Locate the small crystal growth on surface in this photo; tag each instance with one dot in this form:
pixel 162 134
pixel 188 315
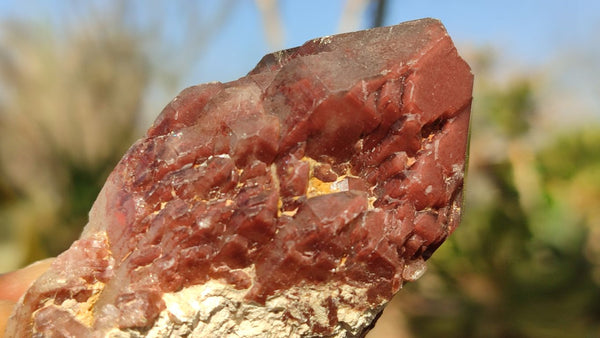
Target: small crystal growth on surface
pixel 295 201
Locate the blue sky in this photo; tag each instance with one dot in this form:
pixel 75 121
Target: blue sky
pixel 530 32
pixel 526 31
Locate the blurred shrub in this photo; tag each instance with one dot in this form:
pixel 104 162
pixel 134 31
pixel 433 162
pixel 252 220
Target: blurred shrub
pixel 68 113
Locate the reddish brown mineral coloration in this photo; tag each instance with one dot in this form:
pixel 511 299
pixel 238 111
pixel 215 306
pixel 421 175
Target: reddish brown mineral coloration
pixel 310 190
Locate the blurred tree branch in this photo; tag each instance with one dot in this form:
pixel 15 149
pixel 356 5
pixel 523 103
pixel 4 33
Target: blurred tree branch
pixel 273 27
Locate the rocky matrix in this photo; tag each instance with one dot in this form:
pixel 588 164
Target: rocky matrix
pixel 292 202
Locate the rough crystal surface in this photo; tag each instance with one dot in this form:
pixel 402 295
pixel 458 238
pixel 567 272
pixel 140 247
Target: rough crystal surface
pixel 292 202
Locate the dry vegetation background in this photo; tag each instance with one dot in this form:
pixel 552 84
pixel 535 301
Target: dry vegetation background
pixel 524 263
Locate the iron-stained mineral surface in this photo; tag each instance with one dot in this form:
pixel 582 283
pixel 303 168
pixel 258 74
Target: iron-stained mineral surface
pixel 294 201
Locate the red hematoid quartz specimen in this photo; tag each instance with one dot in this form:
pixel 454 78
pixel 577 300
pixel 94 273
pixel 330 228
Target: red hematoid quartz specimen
pixel 294 201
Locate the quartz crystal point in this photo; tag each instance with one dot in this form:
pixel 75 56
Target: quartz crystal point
pixel 294 201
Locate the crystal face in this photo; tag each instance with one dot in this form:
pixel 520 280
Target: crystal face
pixel 294 201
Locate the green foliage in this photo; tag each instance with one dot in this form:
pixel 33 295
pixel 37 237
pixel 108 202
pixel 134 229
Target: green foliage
pixel 570 155
pixel 510 109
